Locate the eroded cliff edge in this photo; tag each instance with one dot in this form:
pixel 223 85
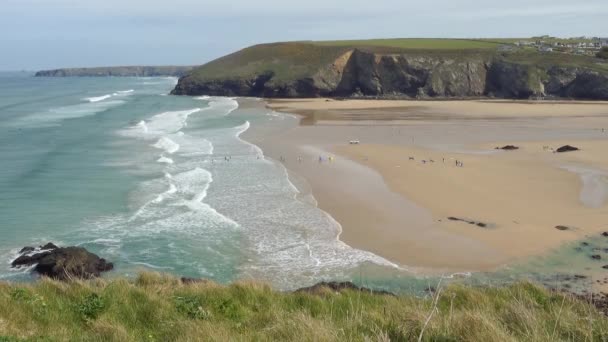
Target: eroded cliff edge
pixel 363 73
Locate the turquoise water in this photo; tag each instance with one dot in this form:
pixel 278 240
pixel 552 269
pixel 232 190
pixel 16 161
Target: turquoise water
pixel 159 182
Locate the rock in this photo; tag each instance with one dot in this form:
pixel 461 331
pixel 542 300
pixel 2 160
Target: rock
pixel 25 260
pixel 596 257
pixel 585 243
pixel 49 245
pixel 566 148
pixel 186 280
pixel 561 228
pixel 26 250
pixel 473 223
pixel 605 267
pixel 508 148
pixel 320 288
pixel 64 263
pixel 605 234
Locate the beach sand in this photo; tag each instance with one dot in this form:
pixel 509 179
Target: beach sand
pixel 399 208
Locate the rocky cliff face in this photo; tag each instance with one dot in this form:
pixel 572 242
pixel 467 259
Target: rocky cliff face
pixel 363 74
pixel 129 71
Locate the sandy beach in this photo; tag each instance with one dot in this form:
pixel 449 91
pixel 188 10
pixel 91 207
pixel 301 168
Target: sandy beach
pixel 395 192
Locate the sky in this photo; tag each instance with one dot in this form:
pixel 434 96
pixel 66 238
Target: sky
pixel 42 34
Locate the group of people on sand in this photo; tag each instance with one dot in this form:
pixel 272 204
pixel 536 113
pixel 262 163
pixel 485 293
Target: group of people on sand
pixel 424 161
pixel 300 159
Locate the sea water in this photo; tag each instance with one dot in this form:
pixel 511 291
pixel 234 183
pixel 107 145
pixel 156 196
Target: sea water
pixel 157 182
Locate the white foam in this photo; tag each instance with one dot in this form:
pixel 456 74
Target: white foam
pixel 125 91
pixel 54 116
pixel 165 160
pixel 167 144
pixel 161 124
pixel 98 98
pixel 242 129
pixel 224 105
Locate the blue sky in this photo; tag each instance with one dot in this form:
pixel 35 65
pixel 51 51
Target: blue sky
pixel 38 34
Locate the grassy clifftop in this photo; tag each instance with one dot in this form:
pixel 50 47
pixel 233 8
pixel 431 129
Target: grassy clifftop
pixel 293 60
pixel 399 68
pixel 154 307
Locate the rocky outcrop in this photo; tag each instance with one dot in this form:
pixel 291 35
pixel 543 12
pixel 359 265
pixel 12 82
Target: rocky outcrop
pixel 337 287
pixel 566 148
pixel 62 263
pixel 359 73
pixel 127 71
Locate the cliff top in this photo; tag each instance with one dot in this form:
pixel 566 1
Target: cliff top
pixel 297 60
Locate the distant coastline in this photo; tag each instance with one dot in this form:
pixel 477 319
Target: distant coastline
pixel 118 71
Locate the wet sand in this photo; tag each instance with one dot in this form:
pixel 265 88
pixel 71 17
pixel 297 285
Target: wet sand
pixel 398 208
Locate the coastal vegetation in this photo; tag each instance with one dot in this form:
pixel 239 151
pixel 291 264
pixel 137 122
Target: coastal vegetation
pixel 157 307
pixel 400 68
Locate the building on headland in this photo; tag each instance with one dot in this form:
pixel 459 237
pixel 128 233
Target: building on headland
pixel 603 42
pixel 545 49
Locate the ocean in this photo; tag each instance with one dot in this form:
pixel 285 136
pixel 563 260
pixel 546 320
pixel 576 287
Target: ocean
pixel 156 182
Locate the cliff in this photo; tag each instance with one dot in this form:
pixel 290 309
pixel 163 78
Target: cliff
pixel 312 70
pixel 122 71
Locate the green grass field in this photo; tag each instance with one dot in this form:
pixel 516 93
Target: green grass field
pixel 416 43
pixel 156 307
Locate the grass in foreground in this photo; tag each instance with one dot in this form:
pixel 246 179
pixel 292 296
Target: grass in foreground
pixel 160 308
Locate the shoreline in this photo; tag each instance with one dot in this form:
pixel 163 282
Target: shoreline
pixel 299 139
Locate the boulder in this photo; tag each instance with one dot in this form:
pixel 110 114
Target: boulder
pixel 338 287
pixel 27 249
pixel 596 257
pixel 64 263
pixel 49 245
pixel 567 148
pixel 508 148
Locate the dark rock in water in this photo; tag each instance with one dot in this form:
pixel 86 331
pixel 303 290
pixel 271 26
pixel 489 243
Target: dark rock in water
pixel 567 148
pixel 561 228
pixel 482 225
pixel 186 280
pixel 596 257
pixel 49 245
pixel 338 287
pixel 585 243
pixel 28 260
pixel 65 263
pixel 26 250
pixel 580 276
pixel 605 267
pixel 605 234
pixel 508 148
